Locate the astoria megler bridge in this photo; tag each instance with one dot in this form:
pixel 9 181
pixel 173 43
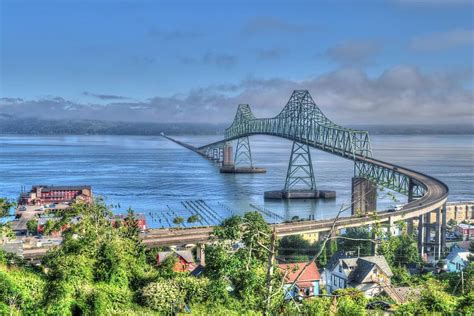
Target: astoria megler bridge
pixel 302 122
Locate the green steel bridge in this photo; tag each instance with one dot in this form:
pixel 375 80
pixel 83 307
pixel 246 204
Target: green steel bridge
pixel 303 122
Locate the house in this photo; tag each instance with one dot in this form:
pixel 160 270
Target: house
pixel 457 259
pixel 307 284
pixel 465 231
pixel 368 274
pixel 184 263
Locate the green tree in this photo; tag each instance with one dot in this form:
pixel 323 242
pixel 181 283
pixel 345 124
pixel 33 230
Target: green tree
pixel 363 247
pixel 49 227
pixel 5 205
pixel 178 220
pixel 163 296
pixel 245 269
pixel 350 301
pixel 399 250
pixel 32 226
pixel 6 232
pixel 194 218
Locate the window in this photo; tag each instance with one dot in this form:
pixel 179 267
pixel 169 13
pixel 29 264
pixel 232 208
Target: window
pixel 335 280
pixel 340 268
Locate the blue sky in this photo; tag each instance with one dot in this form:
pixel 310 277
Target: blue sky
pixel 363 61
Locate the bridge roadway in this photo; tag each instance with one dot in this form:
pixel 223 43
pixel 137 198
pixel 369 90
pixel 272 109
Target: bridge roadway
pixel 435 197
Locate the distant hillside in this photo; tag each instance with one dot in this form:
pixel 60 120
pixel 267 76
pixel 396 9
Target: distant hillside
pixel 31 126
pixel 90 127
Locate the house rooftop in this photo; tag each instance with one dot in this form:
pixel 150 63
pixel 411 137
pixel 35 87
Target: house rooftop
pixel 458 252
pixel 292 270
pixel 334 261
pixel 185 254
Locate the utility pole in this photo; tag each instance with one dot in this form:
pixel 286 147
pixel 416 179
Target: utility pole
pixel 271 260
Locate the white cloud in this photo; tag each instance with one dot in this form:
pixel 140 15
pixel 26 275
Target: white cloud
pixel 401 94
pixel 446 40
pixel 355 52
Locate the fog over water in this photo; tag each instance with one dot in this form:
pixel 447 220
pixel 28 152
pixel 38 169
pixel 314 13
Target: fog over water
pixel 154 175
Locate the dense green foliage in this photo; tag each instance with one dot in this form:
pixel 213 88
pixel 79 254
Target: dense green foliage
pixel 5 205
pixel 178 220
pixel 364 248
pixel 104 270
pixel 193 218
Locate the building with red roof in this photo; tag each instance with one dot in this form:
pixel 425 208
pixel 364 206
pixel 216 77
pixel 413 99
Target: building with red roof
pixel 184 260
pixel 307 284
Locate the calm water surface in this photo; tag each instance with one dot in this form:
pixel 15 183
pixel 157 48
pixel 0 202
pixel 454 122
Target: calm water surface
pixel 161 179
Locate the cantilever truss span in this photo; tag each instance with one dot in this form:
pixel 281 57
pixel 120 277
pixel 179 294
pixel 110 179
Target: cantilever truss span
pixel 302 121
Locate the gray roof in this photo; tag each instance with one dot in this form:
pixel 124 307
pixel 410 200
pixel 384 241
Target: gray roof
pixel 360 268
pixel 381 263
pixel 361 271
pixel 333 262
pixel 185 254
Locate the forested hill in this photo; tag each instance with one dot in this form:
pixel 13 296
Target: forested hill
pixel 92 127
pixel 33 126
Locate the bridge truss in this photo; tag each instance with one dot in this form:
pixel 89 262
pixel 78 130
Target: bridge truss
pixel 302 121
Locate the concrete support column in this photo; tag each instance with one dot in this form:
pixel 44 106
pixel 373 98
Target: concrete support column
pixel 444 212
pixel 410 226
pixel 373 247
pixel 391 226
pixel 364 196
pixel 200 254
pixel 438 235
pixel 427 233
pixel 228 155
pixel 421 235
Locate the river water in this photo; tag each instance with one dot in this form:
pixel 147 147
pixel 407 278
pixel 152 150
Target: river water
pixel 163 180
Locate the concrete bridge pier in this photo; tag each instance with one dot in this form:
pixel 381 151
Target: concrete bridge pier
pixel 200 254
pixel 410 226
pixel 242 161
pixel 421 234
pixel 364 196
pixel 443 227
pixel 228 156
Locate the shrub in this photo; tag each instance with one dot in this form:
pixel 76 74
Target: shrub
pixel 163 296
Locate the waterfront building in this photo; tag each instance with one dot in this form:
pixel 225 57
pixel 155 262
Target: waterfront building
pixel 45 194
